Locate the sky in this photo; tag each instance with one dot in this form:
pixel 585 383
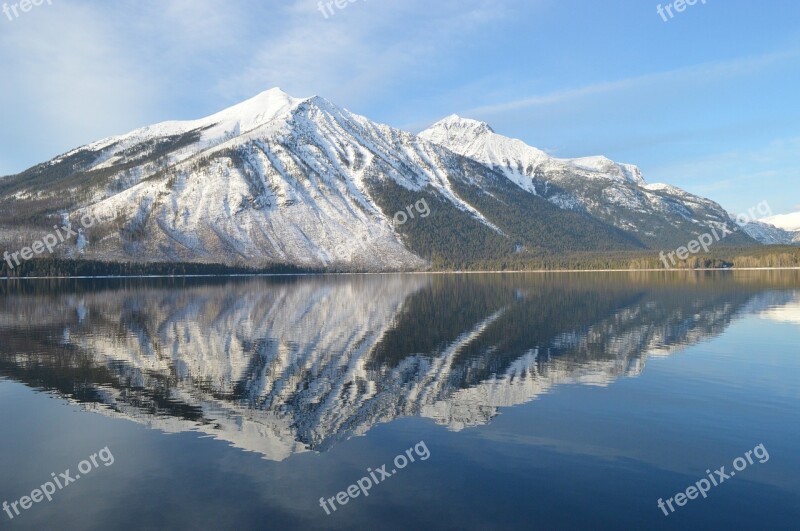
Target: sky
pixel 706 100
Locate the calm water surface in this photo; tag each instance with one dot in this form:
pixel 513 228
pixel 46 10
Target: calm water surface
pixel 542 401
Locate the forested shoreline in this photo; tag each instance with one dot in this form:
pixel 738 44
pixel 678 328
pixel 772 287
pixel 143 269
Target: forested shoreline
pixel 724 258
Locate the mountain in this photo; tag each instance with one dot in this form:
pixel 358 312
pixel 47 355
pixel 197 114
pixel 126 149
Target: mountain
pixel 790 222
pixel 284 180
pixel 658 215
pixel 766 233
pixel 784 227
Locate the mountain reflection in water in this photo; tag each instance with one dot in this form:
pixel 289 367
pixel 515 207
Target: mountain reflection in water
pixel 285 365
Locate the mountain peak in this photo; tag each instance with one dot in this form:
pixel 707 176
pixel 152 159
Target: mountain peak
pixel 237 119
pixel 455 121
pixel 478 141
pixel 458 130
pixel 257 110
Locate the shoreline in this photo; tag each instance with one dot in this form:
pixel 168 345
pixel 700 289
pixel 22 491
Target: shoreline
pixel 455 272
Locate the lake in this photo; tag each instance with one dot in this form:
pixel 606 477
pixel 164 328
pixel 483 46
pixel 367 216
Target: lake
pixel 444 402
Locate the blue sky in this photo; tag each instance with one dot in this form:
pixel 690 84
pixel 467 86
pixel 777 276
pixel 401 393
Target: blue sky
pixel 706 101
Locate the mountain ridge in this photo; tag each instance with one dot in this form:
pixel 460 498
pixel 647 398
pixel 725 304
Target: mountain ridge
pixel 283 180
pixel 614 192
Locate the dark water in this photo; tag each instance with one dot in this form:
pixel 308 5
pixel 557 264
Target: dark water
pixel 557 401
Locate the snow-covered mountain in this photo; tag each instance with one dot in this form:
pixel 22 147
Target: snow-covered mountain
pixel 783 228
pixel 284 180
pixel 768 234
pixel 790 222
pixel 278 179
pixel 658 214
pixel 520 162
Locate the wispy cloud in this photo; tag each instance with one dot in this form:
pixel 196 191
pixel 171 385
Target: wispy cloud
pixel 70 86
pixel 693 75
pixel 79 71
pixel 360 50
pixel 727 174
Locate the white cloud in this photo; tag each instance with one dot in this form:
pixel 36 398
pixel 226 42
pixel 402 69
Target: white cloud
pixel 682 77
pixel 79 71
pixel 359 50
pixel 66 76
pixel 739 164
pixel 741 178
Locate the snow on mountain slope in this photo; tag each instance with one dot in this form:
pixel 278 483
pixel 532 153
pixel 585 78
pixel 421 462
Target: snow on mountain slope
pixel 231 122
pixel 278 179
pixel 783 229
pixel 770 234
pixel 609 168
pixel 613 192
pixel 478 141
pixel 790 222
pixel 272 179
pixel 516 159
pixel 295 189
